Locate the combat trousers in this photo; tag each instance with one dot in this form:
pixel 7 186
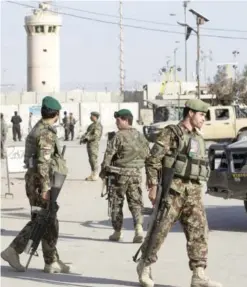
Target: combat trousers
pixel 129 186
pixel 92 151
pixel 66 134
pixel 16 130
pixel 49 240
pixel 189 210
pixel 72 132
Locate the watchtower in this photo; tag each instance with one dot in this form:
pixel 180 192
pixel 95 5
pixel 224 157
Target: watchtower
pixel 43 49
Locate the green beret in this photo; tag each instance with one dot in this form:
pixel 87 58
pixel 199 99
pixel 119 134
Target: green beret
pixel 51 103
pixel 96 114
pixel 122 113
pixel 197 105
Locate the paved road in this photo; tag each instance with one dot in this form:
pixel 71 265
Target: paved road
pixel 84 229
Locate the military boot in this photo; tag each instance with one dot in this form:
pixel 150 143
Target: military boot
pixel 116 236
pixel 92 177
pixel 144 274
pixel 12 257
pixel 138 234
pixel 199 279
pixel 95 176
pixel 57 267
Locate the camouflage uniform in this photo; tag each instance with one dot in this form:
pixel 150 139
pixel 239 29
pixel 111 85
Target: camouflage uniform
pixel 127 150
pixel 4 131
pixel 92 138
pixel 40 149
pixel 37 179
pixel 185 199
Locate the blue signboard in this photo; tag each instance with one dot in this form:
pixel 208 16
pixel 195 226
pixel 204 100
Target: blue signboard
pixel 35 110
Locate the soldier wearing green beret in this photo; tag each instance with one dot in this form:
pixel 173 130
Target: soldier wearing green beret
pixel 124 157
pixel 41 157
pixel 182 148
pixel 92 138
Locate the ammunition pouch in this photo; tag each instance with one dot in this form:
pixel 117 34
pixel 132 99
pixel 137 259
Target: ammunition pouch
pixel 188 168
pixel 110 135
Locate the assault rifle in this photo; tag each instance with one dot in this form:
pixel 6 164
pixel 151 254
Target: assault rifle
pixel 159 213
pixel 110 196
pixel 108 183
pixel 44 216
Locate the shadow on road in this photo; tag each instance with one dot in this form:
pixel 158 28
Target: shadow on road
pixel 8 232
pixel 36 275
pixel 220 218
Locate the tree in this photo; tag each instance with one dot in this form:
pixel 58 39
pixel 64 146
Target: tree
pixel 229 90
pixel 242 86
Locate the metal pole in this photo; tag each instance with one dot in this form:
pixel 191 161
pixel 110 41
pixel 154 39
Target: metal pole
pixel 121 48
pixel 185 42
pixel 198 57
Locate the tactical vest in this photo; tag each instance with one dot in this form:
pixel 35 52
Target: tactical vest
pixel 31 152
pixel 188 160
pixel 134 149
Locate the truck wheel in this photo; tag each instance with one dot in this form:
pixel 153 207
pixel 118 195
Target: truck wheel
pixel 245 205
pixel 242 135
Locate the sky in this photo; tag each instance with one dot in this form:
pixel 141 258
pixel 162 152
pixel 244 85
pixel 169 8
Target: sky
pixel 90 50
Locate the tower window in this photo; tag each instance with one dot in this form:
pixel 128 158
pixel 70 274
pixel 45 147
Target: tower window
pixel 43 82
pixel 52 29
pixel 39 29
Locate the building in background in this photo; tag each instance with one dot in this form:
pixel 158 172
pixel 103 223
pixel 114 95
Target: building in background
pixel 43 50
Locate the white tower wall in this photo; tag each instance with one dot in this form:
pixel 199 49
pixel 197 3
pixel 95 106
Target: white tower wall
pixel 43 50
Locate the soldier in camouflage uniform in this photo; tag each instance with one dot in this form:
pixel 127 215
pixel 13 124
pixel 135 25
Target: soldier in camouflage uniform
pixel 40 151
pixel 127 152
pixel 4 131
pixel 183 148
pixel 92 138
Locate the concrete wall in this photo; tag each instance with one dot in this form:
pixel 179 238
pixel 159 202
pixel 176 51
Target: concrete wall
pixel 76 96
pixel 81 113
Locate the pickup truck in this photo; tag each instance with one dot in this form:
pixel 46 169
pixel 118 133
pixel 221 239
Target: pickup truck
pixel 228 175
pixel 223 123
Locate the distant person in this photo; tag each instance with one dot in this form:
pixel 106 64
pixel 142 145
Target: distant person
pixel 16 129
pixel 71 123
pixel 66 126
pixel 4 131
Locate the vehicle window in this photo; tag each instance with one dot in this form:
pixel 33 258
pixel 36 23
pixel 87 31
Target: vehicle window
pixel 241 113
pixel 163 114
pixel 239 161
pixel 222 114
